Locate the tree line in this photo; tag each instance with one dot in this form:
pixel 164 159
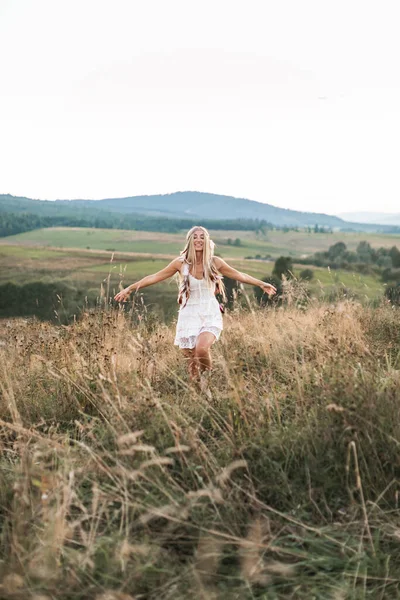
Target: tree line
pixel 384 262
pixel 363 259
pixel 13 223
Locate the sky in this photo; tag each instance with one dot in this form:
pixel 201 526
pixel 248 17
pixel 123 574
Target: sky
pixel 294 103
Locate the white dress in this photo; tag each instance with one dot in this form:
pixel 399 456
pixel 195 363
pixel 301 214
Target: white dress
pixel 201 313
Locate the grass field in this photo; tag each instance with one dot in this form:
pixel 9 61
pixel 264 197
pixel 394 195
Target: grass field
pixel 90 269
pixel 275 243
pixel 121 481
pixel 94 261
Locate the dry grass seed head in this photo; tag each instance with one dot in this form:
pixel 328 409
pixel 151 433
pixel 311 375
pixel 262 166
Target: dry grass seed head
pixel 208 556
pixel 252 564
pixel 12 583
pixel 129 438
pixel 226 473
pixel 281 569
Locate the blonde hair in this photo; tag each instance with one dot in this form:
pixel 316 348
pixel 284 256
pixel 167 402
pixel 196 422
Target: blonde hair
pixel 211 274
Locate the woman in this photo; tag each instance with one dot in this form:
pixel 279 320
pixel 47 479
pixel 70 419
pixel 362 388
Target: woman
pixel 199 320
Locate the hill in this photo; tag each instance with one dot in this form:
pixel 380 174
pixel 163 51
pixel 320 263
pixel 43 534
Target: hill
pixel 204 205
pixel 183 205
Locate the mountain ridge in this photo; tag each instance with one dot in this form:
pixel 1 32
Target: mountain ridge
pixel 186 204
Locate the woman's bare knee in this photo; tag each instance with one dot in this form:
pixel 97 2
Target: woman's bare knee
pixel 201 350
pixel 204 343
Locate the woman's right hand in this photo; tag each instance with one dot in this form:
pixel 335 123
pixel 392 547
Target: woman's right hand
pixel 123 295
pixel 268 288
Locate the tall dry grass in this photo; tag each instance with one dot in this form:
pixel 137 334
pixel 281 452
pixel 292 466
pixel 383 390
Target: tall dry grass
pixel 119 480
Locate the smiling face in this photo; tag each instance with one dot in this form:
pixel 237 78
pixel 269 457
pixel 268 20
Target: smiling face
pixel 198 246
pixel 198 239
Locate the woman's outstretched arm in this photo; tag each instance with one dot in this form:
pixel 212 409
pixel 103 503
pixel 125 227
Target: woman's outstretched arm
pixel 229 271
pixel 165 273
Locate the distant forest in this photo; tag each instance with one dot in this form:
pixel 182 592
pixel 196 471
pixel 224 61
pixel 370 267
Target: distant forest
pixel 339 257
pixel 384 262
pixel 13 223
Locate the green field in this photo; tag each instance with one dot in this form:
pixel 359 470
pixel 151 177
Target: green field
pixel 274 243
pixel 91 269
pixel 95 262
pixel 326 280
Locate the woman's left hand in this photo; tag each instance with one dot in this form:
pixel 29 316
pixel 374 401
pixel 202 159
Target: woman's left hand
pixel 123 295
pixel 268 288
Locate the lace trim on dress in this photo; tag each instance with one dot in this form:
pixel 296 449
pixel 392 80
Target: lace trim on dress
pixel 190 341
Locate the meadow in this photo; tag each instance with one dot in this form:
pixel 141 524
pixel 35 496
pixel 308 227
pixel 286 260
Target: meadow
pixel 86 278
pixel 274 243
pixel 95 262
pixel 121 481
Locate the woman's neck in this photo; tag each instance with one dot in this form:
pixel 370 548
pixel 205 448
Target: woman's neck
pixel 199 258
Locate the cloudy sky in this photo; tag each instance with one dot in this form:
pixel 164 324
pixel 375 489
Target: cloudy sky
pixel 295 103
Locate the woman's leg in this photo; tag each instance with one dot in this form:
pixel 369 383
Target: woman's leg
pixel 188 353
pixel 202 353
